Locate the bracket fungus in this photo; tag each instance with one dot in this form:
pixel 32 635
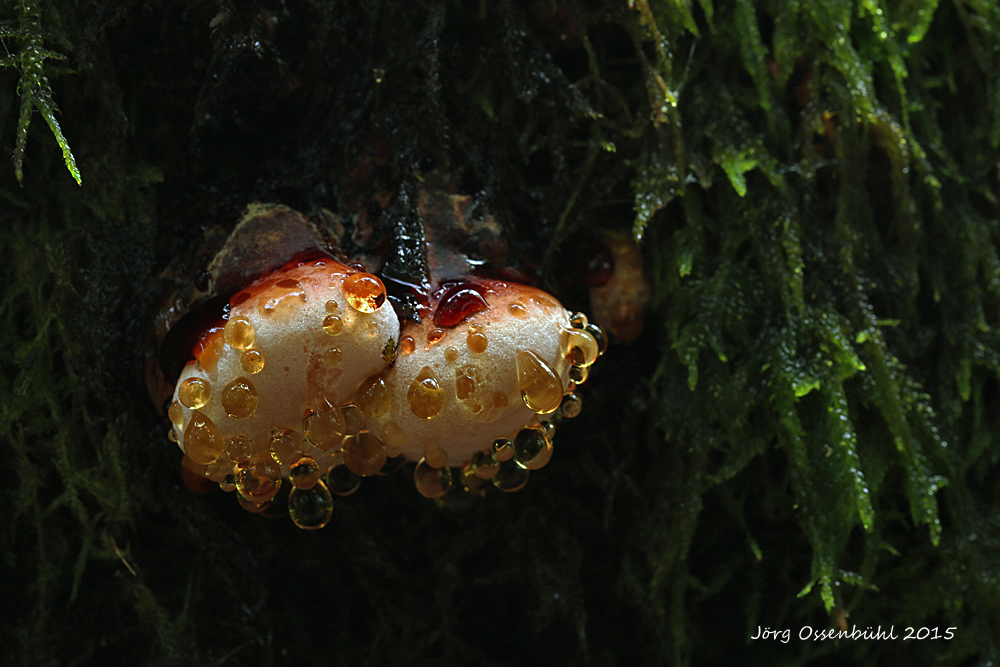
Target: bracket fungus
pixel 305 377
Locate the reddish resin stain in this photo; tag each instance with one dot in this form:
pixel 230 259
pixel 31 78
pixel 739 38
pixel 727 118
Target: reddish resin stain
pixel 458 302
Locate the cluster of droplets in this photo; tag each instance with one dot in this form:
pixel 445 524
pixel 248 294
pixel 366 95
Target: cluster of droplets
pixel 333 449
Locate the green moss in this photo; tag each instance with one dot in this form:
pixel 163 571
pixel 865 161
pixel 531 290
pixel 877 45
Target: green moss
pixel 814 186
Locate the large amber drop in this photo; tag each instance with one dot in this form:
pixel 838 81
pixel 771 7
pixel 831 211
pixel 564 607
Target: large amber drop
pixel 374 397
pixel 239 333
pixel 203 441
pixel 286 446
pixel 477 342
pixel 364 454
pixel 532 448
pixel 431 482
pixel 239 398
pixel 310 508
pixel 541 389
pixel 324 428
pixel 194 393
pixel 364 292
pixel 259 482
pixel 425 397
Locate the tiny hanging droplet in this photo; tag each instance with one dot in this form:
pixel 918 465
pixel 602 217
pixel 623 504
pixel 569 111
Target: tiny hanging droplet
pixel 342 481
pixel 431 482
pixel 485 465
pixel 240 449
pixel 541 389
pixel 532 448
pixel 503 449
pixel 310 508
pixel 511 477
pixel 364 292
pixel 304 473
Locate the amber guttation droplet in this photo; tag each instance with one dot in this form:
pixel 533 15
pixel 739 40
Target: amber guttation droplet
pixel 194 393
pixel 304 473
pixel 324 428
pixel 578 346
pixel 541 389
pixel 467 380
pixel 252 361
pixel 406 346
pixel 250 506
pixel 485 465
pixel 176 413
pixel 203 441
pixel 503 449
pixel 281 298
pixel 239 332
pixel 364 292
pixel 219 468
pixel 510 477
pixel 532 448
pixel 518 310
pixel 477 342
pixel 425 396
pixel 549 427
pixel 209 348
pixel 459 302
pixel 239 398
pixel 172 435
pixel 578 320
pixel 333 325
pixel 342 481
pixel 579 374
pixel 435 455
pixel 393 435
pixel 259 482
pixel 571 405
pixel 229 483
pixel 333 356
pixel 286 446
pixel 354 419
pixel 331 306
pixel 310 508
pixel 450 354
pixel 434 336
pixel 374 397
pixel 431 482
pixel 599 336
pixel 239 449
pixel 363 454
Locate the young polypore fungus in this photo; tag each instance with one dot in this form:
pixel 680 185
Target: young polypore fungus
pixel 308 380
